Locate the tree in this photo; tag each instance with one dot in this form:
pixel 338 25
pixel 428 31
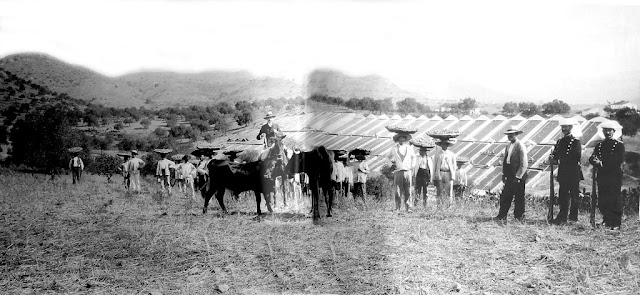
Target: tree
pixel 555 107
pixel 200 125
pixel 40 140
pixel 510 108
pixel 528 109
pixel 467 105
pixel 105 165
pixel 629 119
pixel 128 121
pixel 145 123
pixel 244 117
pixel 408 105
pixel 118 126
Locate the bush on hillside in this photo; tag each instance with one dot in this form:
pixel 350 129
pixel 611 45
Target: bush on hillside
pixel 104 165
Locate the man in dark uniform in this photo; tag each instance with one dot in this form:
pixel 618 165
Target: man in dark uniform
pixel 607 158
pixel 268 130
pixel 566 153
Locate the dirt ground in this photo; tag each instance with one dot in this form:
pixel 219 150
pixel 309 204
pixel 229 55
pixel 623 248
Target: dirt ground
pixel 95 238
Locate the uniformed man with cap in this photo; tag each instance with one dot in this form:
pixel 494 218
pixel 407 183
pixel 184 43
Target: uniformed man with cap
pixel 566 153
pixel 607 159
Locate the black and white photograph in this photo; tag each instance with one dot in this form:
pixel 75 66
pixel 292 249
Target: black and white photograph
pixel 254 147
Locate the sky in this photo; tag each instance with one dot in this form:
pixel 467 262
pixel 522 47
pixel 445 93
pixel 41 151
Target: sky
pixel 525 48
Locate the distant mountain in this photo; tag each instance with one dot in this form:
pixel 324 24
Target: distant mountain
pixel 335 83
pixel 153 89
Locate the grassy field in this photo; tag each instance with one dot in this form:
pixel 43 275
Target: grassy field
pixel 94 238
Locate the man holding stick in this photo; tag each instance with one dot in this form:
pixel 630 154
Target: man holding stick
pixel 566 154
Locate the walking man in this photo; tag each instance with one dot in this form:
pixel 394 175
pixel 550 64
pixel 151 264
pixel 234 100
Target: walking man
pixel 514 176
pixel 124 168
pixel 135 165
pixel 76 166
pixel 163 170
pixel 566 153
pixel 607 159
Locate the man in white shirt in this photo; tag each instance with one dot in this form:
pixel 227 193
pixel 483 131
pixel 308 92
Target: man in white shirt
pixel 403 158
pixel 444 172
pixel 163 170
pixel 424 175
pixel 135 164
pixel 76 166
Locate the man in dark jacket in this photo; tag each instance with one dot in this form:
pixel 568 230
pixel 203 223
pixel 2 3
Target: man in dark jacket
pixel 607 159
pixel 514 176
pixel 566 153
pixel 268 130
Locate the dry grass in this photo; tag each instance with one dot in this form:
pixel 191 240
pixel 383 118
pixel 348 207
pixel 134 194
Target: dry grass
pixel 95 238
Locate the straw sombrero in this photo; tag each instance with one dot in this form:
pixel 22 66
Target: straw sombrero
pixel 513 130
pixel 462 160
pixel 444 134
pixel 360 151
pixel 163 151
pixel 269 115
pixel 124 154
pixel 423 143
pixel 75 149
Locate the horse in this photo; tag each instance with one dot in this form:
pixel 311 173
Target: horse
pixel 317 164
pixel 277 161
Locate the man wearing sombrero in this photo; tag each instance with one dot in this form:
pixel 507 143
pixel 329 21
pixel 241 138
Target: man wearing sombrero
pixel 566 153
pixel 424 174
pixel 163 169
pixel 268 130
pixel 135 165
pixel 607 159
pixel 514 176
pixel 444 172
pixel 403 158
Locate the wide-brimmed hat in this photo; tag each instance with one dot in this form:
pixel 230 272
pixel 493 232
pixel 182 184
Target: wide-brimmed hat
pixel 134 152
pixel 269 115
pixel 423 143
pixel 177 157
pixel 75 149
pixel 401 134
pixel 125 155
pixel 462 160
pixel 360 151
pixel 447 141
pixel 163 151
pixel 567 122
pixel 513 130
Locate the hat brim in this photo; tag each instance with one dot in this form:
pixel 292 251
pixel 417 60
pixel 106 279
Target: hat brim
pixel 397 136
pixel 513 132
pixel 269 117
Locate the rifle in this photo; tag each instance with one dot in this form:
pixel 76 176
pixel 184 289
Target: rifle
pixel 551 193
pixel 594 197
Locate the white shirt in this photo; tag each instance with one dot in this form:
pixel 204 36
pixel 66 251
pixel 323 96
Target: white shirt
pixel 511 145
pixel 403 156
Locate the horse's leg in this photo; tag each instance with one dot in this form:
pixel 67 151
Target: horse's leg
pixel 267 200
pixel 328 199
pixel 258 201
pixel 207 196
pixel 315 199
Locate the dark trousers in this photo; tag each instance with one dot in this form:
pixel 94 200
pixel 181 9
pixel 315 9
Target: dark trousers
pixel 609 200
pixel 512 189
pixel 568 194
pixel 76 172
pixel 422 183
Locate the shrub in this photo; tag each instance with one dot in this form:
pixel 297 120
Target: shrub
pixel 104 165
pixel 379 186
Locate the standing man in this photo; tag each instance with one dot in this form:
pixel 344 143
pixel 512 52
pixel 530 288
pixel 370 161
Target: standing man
pixel 76 165
pixel 163 172
pixel 607 159
pixel 514 176
pixel 135 164
pixel 202 171
pixel 268 130
pixel 403 158
pixel 444 171
pixel 124 168
pixel 566 153
pixel 424 175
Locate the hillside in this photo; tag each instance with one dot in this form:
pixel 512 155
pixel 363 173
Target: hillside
pixel 164 89
pixel 335 83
